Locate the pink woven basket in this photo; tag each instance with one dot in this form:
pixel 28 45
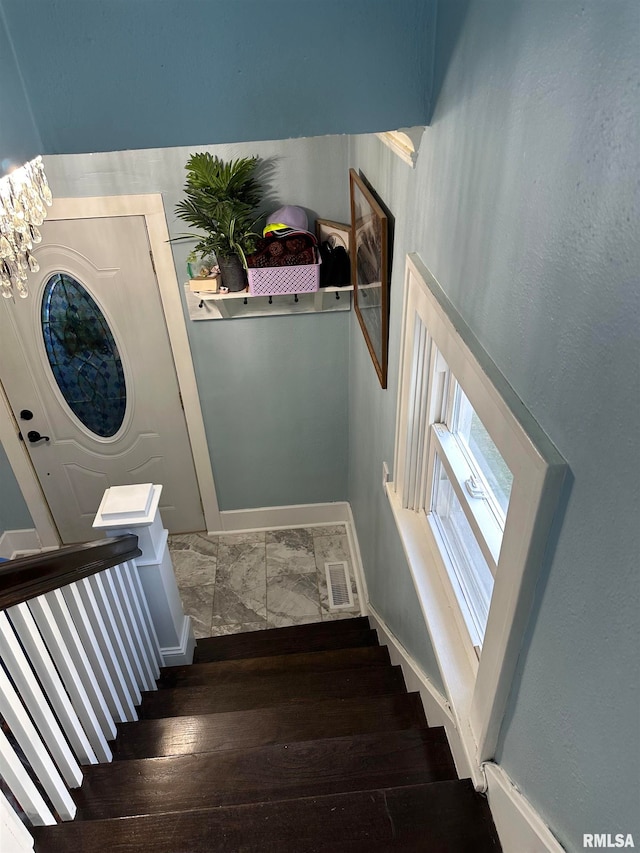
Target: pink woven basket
pixel 273 281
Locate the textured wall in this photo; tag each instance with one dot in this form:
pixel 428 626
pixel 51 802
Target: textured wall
pixel 115 74
pixel 524 205
pixel 274 389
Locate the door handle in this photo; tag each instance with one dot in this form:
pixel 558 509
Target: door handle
pixel 34 436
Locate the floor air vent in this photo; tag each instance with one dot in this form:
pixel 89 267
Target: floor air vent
pixel 339 586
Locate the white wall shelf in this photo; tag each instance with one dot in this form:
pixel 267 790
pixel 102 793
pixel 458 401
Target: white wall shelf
pixel 228 306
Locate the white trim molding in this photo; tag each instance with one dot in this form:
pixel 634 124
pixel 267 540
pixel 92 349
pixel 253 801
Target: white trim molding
pixel 432 330
pixel 18 458
pixel 272 517
pixel 520 827
pixel 444 625
pixel 182 654
pixel 437 708
pixel 356 561
pixel 404 142
pixel 14 542
pixel 151 207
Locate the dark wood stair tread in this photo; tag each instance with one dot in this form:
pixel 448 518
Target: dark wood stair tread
pixel 264 726
pixel 291 740
pixel 271 689
pixel 282 771
pixel 441 816
pixel 232 670
pixel 316 636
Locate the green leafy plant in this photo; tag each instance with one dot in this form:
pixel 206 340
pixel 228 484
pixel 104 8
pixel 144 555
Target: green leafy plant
pixel 221 201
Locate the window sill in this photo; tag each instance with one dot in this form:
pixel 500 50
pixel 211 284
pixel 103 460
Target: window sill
pixel 454 653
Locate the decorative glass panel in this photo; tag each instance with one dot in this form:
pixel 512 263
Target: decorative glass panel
pixel 83 355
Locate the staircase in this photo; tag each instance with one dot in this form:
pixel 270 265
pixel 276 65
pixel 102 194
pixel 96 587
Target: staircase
pixel 293 739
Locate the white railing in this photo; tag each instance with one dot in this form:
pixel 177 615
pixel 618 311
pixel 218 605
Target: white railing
pixel 77 649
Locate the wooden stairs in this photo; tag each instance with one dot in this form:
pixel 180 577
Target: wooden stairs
pixel 294 739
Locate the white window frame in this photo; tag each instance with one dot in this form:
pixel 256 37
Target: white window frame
pixel 434 333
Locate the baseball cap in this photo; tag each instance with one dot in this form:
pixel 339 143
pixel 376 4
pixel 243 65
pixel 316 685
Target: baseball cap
pixel 287 220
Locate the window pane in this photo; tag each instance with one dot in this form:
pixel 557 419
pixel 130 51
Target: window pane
pixel 468 427
pixel 467 562
pixel 83 355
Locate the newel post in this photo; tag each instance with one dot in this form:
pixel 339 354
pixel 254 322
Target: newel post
pixel 134 509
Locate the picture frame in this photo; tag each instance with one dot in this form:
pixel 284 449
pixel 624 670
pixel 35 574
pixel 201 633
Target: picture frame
pixel 369 271
pixel 337 233
pixel 334 240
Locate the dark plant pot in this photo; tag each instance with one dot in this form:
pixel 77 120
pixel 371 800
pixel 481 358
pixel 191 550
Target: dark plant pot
pixel 233 274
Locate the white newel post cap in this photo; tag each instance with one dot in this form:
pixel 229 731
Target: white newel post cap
pixel 128 506
pixel 134 509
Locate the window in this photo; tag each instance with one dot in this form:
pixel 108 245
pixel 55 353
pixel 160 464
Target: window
pixel 476 484
pixel 468 487
pixel 83 355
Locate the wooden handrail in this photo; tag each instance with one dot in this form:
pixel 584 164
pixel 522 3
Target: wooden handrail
pixel 28 577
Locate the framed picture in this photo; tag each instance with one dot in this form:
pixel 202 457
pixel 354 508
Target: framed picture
pixel 369 271
pixel 334 239
pixel 336 233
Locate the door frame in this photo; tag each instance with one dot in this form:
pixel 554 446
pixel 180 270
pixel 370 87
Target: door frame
pixel 151 207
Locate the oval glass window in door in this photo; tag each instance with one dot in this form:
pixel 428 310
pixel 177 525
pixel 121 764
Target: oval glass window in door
pixel 83 355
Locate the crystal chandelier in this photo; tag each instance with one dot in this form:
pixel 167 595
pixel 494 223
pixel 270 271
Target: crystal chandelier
pixel 23 196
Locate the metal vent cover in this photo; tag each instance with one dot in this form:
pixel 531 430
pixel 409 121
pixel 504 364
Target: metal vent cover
pixel 339 585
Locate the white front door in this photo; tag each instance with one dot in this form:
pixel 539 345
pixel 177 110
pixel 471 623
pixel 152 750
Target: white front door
pixel 86 363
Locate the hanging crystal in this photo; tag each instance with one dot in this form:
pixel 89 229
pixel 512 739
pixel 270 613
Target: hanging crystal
pixel 5 248
pixel 24 198
pixel 34 266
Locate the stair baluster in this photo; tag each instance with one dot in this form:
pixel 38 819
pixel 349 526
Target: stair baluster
pixel 17 665
pixel 289 740
pixel 71 623
pixel 27 632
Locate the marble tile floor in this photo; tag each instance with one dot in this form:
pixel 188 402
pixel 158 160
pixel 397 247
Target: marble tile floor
pixel 236 582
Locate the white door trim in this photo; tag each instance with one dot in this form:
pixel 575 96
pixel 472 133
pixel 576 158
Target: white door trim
pixel 26 476
pixel 152 209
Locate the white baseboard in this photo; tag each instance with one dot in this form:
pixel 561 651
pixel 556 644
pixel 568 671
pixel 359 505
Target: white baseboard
pixel 436 706
pixel 519 826
pixel 271 517
pixel 13 541
pixel 182 654
pixel 356 562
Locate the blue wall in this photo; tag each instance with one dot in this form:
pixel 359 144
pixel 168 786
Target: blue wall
pixel 115 74
pixel 524 205
pixel 19 139
pixel 14 514
pixel 273 390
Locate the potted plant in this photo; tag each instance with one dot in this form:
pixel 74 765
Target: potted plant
pixel 221 201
